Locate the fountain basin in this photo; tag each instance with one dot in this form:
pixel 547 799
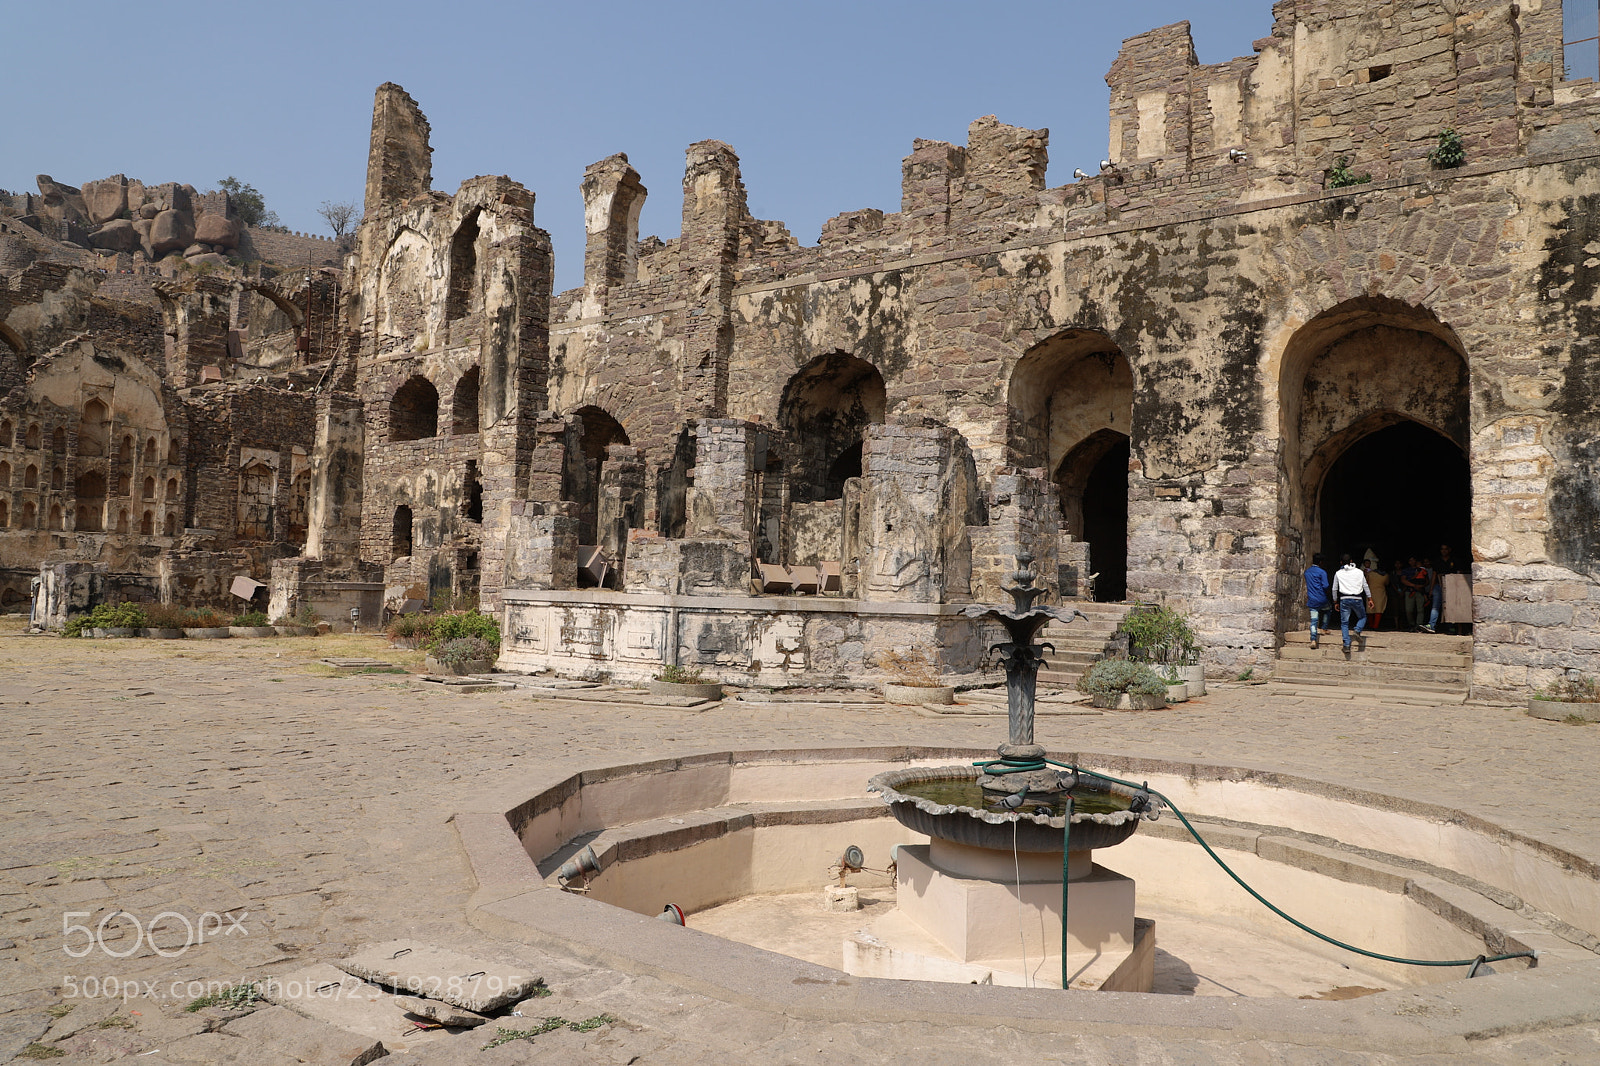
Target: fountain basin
pixel 1031 829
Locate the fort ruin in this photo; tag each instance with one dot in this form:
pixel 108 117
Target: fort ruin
pixel 1180 375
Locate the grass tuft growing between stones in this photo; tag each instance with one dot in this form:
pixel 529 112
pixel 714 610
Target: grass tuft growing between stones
pixel 549 1025
pixel 234 997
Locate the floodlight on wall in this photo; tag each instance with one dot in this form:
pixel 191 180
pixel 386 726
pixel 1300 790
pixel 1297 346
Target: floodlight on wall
pixel 1077 172
pixel 1237 155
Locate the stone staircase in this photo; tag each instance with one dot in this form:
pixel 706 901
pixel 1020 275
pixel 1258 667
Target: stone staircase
pixel 1425 668
pixel 1079 644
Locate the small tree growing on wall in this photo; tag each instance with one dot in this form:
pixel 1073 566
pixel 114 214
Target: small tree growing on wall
pixel 249 202
pixel 340 216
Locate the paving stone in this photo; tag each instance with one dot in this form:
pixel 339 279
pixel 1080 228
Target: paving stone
pixel 443 1013
pixel 449 976
pixel 331 995
pixel 304 1039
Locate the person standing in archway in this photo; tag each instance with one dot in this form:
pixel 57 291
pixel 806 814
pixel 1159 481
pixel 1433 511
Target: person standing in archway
pixel 1353 594
pixel 1414 582
pixel 1317 595
pixel 1378 582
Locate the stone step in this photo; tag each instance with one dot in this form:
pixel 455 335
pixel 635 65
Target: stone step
pixel 1355 670
pixel 1290 677
pixel 1420 696
pixel 1331 651
pixel 1390 640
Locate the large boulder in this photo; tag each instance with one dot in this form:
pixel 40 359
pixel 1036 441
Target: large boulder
pixel 118 235
pixel 216 229
pixel 142 227
pixel 149 210
pixel 210 261
pixel 171 231
pixel 64 203
pixel 106 199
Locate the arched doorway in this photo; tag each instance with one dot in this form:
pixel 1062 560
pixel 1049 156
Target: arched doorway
pixel 400 535
pixel 1374 405
pixel 600 431
pixel 1070 412
pixel 93 429
pixel 1093 484
pixel 414 411
pixel 1400 491
pixel 464 406
pixel 824 410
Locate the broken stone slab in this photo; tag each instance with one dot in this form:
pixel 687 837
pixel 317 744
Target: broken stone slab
pixel 281 1030
pixel 443 1013
pixel 328 994
pixel 424 970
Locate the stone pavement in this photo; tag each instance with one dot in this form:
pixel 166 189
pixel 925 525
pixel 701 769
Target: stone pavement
pixel 295 814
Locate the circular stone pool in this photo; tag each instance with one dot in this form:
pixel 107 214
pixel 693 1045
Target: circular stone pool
pixel 741 841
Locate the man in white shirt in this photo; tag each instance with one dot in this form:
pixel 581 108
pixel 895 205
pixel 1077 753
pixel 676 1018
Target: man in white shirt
pixel 1352 593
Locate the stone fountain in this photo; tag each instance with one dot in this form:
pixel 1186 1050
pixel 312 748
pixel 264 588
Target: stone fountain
pixel 1011 852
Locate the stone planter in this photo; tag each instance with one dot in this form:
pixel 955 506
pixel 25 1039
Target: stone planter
pixel 918 694
pixel 295 631
pixel 1125 701
pixel 1195 678
pixel 161 634
pixel 252 631
pixel 706 690
pixel 471 666
pixel 118 631
pixel 206 632
pixel 1558 710
pixel 1178 693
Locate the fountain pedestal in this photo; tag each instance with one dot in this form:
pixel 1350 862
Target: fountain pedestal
pixel 957 918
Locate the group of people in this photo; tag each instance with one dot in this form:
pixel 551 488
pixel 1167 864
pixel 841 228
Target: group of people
pixel 1426 590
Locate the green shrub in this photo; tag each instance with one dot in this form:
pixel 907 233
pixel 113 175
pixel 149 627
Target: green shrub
pixel 1340 176
pixel 468 624
pixel 251 618
pixel 465 650
pixel 1577 688
pixel 1158 634
pixel 166 616
pixel 408 626
pixel 108 616
pixel 680 675
pixel 1116 677
pixel 1448 154
pixel 204 618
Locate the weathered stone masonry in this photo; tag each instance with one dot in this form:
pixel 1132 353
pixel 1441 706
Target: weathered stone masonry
pixel 917 388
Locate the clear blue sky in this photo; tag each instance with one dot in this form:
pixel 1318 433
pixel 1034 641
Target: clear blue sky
pixel 820 99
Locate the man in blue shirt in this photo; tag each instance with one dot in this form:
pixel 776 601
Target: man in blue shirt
pixel 1317 595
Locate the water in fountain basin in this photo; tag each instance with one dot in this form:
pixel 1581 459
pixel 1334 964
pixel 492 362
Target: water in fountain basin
pixel 1085 800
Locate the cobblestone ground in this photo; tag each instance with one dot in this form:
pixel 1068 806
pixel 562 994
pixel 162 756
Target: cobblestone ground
pixel 238 777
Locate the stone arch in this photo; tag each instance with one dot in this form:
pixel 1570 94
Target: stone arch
pixel 258 484
pixel 463 267
pixel 91 493
pixel 147 524
pixel 823 412
pixel 93 429
pixel 150 453
pixel 30 477
pixel 149 492
pixel 172 489
pixel 171 528
pixel 7 432
pixel 11 339
pixel 5 474
pixel 1350 378
pixel 1092 486
pixel 58 441
pixel 58 478
pixel 600 431
pixel 125 454
pixel 464 404
pixel 124 485
pixel 400 535
pixel 122 520
pixel 56 521
pixel 403 288
pixel 414 410
pixel 32 440
pixel 5 514
pixel 172 453
pixel 30 515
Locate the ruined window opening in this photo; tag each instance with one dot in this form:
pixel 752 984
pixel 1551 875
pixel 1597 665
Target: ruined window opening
pixel 33 435
pixel 825 409
pixel 414 411
pixel 124 485
pixel 149 488
pixel 58 441
pixel 5 514
pixel 93 427
pixel 464 407
pixel 125 454
pixel 82 522
pixel 472 494
pixel 58 478
pixel 172 525
pixel 299 504
pixel 5 475
pixel 172 453
pixel 400 539
pixel 600 431
pixel 147 524
pixel 122 521
pixel 29 515
pixel 172 488
pixel 7 433
pixel 150 450
pixel 91 488
pixel 463 268
pixel 672 487
pixel 1379 72
pixel 30 477
pixel 258 484
pixel 1092 485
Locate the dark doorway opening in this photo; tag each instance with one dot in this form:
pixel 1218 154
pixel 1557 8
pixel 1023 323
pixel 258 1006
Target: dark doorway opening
pixel 1403 490
pixel 1093 483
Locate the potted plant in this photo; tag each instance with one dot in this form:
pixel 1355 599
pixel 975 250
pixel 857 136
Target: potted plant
pixel 1574 698
pixel 413 630
pixel 1124 685
pixel 463 655
pixel 677 680
pixel 204 623
pixel 913 679
pixel 1160 635
pixel 108 620
pixel 1177 684
pixel 251 624
pixel 163 621
pixel 302 624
